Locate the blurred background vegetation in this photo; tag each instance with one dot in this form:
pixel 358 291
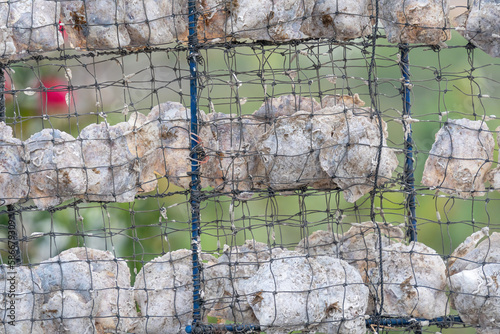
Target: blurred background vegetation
pixel 70 93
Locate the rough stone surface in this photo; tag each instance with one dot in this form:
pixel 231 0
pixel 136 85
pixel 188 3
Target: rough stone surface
pixel 352 149
pixel 95 24
pixel 212 18
pixel 285 105
pixel 111 171
pixel 320 243
pixel 81 282
pixel 479 247
pixel 24 284
pixel 476 296
pixel 481 25
pixel 277 20
pixel 339 19
pixel 143 140
pixel 236 265
pixel 297 293
pixel 164 292
pixel 7 46
pixel 175 163
pixel 152 22
pixel 234 154
pixel 55 167
pixel 460 158
pixel 290 151
pixel 414 279
pixel 35 25
pixel 13 176
pixel 360 247
pixel 415 21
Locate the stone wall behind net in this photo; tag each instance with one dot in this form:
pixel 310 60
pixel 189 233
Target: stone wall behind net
pixel 249 166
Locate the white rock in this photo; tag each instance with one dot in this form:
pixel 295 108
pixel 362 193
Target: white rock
pixel 175 128
pixel 285 105
pixel 7 46
pixel 481 25
pixel 345 296
pixel 152 22
pixel 339 19
pixel 293 292
pixel 236 265
pixel 290 150
pixel 476 296
pixel 35 25
pixel 476 249
pixel 414 278
pixel 415 21
pixel 95 24
pixel 93 282
pixel 460 158
pixel 13 176
pixel 352 150
pixel 277 20
pixel 164 293
pixel 55 166
pixel 320 243
pixel 233 153
pixel 143 140
pixel 20 297
pixel 111 171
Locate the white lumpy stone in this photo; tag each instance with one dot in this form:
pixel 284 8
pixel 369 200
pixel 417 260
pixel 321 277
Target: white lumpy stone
pixel 345 296
pixel 35 25
pixel 236 265
pixel 233 153
pixel 173 160
pixel 481 25
pixel 7 46
pixel 414 279
pixel 353 151
pixel 55 167
pixel 111 171
pixel 493 176
pixel 13 176
pixel 164 293
pixel 83 282
pixel 416 21
pixel 95 24
pixel 20 297
pixel 278 20
pixel 69 299
pixel 476 296
pixel 339 19
pixel 320 243
pixel 293 292
pixel 460 158
pixel 154 22
pixel 290 151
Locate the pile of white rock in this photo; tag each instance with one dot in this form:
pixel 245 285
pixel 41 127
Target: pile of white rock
pixel 329 283
pixel 38 25
pixel 337 145
pixel 460 159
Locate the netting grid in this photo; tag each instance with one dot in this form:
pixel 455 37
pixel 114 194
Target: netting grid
pixel 245 166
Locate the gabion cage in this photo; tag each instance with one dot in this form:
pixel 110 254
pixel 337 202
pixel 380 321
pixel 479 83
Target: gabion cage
pixel 244 166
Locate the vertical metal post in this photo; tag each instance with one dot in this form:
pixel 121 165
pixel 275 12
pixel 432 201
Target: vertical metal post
pixel 195 177
pixel 409 180
pixel 13 242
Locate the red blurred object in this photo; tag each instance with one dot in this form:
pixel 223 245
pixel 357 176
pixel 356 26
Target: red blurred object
pixel 8 86
pixel 52 99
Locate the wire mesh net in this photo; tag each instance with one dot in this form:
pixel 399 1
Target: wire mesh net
pixel 249 166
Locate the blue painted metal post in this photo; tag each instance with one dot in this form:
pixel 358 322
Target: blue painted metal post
pixel 408 168
pixel 195 177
